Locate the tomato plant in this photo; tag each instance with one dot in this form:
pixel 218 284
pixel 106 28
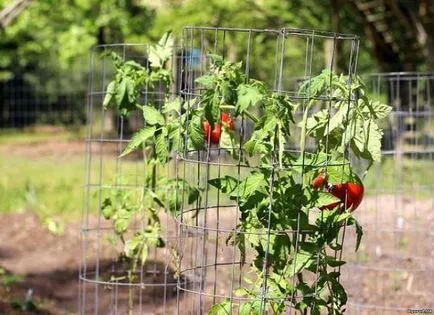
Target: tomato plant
pixel 158 139
pixel 279 200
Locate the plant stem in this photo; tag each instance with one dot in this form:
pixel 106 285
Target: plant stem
pixel 251 116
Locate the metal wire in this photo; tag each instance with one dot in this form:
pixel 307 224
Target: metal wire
pixel 219 264
pixel 390 273
pixel 108 285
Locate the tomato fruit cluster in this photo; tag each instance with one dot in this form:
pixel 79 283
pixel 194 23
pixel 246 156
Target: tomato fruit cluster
pixel 214 135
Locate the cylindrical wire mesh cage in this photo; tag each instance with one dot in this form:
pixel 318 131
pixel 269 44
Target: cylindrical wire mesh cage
pixel 128 228
pixel 268 243
pixel 390 273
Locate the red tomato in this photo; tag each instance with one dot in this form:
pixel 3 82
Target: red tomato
pixel 355 195
pixel 206 129
pixel 227 120
pixel 349 193
pixel 214 135
pixel 319 181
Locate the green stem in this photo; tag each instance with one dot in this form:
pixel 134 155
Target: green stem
pixel 303 135
pixel 227 106
pixel 303 130
pixel 251 116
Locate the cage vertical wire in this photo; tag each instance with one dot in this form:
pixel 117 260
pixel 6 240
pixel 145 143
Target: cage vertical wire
pixel 393 267
pixel 223 269
pixel 116 214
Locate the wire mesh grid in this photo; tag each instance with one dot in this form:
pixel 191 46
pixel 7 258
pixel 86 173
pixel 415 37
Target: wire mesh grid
pixel 254 226
pixel 128 238
pixel 392 271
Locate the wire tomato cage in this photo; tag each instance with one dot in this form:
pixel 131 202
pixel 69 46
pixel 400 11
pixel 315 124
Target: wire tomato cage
pixel 269 241
pixel 128 230
pixel 391 269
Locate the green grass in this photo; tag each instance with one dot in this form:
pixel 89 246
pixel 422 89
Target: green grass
pixel 30 136
pixel 404 176
pixel 50 186
pixel 46 186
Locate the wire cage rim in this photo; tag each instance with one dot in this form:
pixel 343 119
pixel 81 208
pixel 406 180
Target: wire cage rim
pixel 280 31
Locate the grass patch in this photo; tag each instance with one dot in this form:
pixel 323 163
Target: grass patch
pixel 40 134
pixel 404 175
pixel 50 186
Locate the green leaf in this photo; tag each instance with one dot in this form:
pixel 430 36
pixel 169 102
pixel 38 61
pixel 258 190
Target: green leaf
pixel 333 262
pixel 252 183
pixel 144 253
pixel 325 199
pixel 173 105
pixel 130 90
pixel 240 240
pixel 248 96
pixel 339 119
pixel 223 308
pixel 359 232
pixel 227 141
pixel 138 138
pixel 380 111
pixel 195 132
pixel 374 135
pixel 120 91
pixel 156 198
pixel 358 139
pixel 161 149
pixel 11 279
pixel 335 246
pixel 226 184
pixel 338 174
pixel 107 209
pixel 255 146
pixel 132 245
pixel 241 292
pixel 338 292
pixel 193 195
pixel 160 53
pixel 111 89
pixel 152 116
pixel 246 308
pixel 121 225
pixel 207 81
pixel 302 260
pixel 216 59
pixel 344 216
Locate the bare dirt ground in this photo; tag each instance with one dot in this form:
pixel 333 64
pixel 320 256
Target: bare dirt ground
pixel 48 263
pixel 393 269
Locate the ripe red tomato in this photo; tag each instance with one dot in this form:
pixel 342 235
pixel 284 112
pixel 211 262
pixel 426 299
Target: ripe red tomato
pixel 214 136
pixel 349 193
pixel 206 129
pixel 227 120
pixel 319 181
pixel 355 195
